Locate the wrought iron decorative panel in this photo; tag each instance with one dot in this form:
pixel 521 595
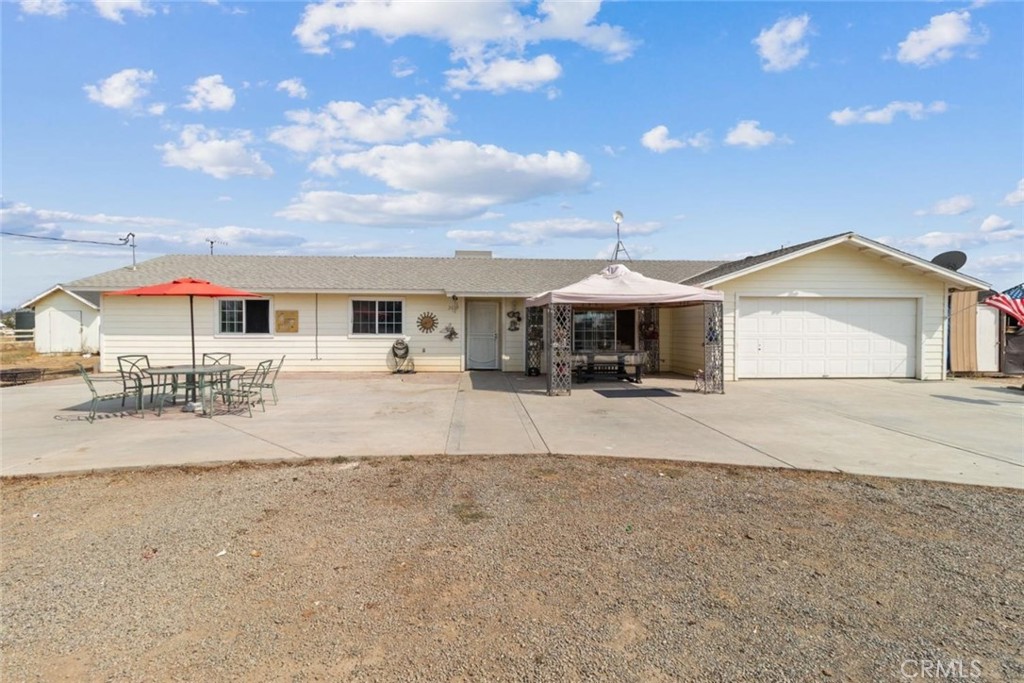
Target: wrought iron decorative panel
pixel 649 339
pixel 534 340
pixel 713 348
pixel 559 319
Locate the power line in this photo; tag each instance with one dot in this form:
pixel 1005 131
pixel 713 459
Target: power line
pixel 124 240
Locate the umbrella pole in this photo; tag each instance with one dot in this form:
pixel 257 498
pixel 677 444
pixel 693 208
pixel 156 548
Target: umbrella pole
pixel 192 326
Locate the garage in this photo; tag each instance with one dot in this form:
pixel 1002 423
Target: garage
pixel 796 337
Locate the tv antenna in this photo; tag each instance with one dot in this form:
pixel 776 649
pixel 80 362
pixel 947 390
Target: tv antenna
pixel 213 242
pixel 620 248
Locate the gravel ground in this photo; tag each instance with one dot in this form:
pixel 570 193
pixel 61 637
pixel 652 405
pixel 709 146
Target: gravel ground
pixel 507 568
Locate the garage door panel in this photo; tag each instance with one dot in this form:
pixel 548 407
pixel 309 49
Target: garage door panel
pixel 826 337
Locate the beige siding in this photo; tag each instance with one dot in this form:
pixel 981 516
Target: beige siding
pixel 159 327
pixel 685 341
pixel 844 270
pixel 57 328
pixel 513 352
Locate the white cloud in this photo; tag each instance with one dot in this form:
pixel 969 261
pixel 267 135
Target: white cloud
pixel 487 39
pixel 528 233
pixel 1016 197
pixel 783 46
pixel 48 8
pixel 462 168
pixel 932 242
pixel 402 68
pixel 122 90
pixel 19 216
pixel 114 10
pixel 995 223
pixel 952 206
pixel 945 35
pixel 202 149
pixel 749 134
pixel 339 124
pixel 657 140
pixel 885 115
pixel 501 75
pixel 157 109
pixel 492 25
pixel 294 88
pixel 421 208
pixel 443 181
pixel 209 92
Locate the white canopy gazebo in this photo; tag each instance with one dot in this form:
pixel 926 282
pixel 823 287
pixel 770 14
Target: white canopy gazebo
pixel 617 287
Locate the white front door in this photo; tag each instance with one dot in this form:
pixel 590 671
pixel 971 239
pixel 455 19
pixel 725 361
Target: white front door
pixel 809 337
pixel 482 339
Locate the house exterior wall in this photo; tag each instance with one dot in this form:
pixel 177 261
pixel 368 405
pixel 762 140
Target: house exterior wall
pixel 159 327
pixel 58 332
pixel 844 270
pixel 683 349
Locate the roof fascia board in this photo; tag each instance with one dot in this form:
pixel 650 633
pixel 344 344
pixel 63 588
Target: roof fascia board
pixel 34 300
pixel 871 245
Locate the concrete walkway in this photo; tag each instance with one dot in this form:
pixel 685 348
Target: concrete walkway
pixel 963 431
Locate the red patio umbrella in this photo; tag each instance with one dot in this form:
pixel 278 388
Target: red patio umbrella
pixel 191 288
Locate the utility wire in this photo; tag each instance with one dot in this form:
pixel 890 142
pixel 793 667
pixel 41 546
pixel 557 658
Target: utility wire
pixel 123 241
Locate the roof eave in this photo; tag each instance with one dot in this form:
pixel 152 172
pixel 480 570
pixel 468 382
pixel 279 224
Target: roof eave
pixel 966 281
pixel 36 299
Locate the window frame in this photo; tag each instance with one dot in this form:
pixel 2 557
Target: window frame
pixel 377 300
pixel 217 319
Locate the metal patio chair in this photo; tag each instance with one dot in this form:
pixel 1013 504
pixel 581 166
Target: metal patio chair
pixel 270 382
pixel 101 387
pixel 133 370
pixel 217 381
pixel 245 388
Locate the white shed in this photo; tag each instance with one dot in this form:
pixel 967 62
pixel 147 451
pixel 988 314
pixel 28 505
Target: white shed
pixel 66 321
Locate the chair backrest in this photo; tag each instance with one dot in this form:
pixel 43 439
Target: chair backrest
pixel 252 379
pixel 216 359
pixel 277 368
pixel 85 375
pixel 133 363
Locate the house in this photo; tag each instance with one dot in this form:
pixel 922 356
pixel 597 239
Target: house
pixel 840 306
pixel 66 320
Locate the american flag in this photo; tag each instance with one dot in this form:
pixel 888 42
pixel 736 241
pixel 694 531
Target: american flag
pixel 1010 302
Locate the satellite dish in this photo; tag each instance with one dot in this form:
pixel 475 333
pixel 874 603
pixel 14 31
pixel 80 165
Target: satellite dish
pixel 954 260
pixel 617 217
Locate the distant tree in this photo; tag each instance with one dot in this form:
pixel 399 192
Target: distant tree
pixel 8 319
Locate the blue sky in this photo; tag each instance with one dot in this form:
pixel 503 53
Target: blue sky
pixel 418 128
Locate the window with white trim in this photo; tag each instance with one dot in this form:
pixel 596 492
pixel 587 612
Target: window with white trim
pixel 376 316
pixel 243 316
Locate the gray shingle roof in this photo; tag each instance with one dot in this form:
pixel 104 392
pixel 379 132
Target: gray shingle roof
pixel 729 267
pixel 465 275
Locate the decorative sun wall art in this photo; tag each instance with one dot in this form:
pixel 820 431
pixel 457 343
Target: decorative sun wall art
pixel 427 322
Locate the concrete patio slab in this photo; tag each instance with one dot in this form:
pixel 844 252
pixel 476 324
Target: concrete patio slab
pixel 961 431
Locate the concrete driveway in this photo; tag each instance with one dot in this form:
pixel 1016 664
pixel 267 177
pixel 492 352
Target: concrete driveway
pixel 967 431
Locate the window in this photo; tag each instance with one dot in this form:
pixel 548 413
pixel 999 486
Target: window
pixel 604 330
pixel 376 317
pixel 244 316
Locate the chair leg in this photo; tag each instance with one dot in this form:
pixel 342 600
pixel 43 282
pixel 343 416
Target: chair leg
pixel 92 410
pixel 273 390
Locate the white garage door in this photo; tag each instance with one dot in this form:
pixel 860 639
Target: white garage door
pixel 798 337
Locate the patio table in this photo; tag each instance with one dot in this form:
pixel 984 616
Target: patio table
pixel 192 373
pixel 590 364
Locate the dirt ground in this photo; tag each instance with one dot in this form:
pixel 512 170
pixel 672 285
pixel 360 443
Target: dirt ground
pixel 531 568
pixel 23 355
